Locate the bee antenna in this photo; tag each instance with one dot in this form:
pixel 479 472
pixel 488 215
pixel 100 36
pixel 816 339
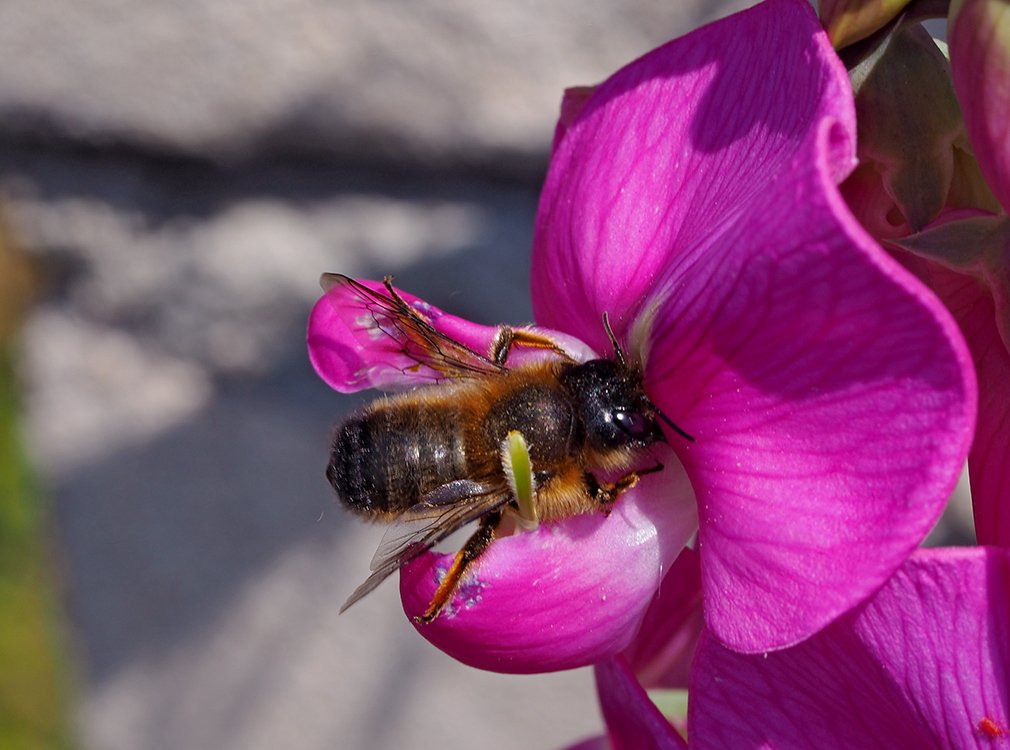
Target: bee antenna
pixel 624 363
pixel 673 425
pixel 613 340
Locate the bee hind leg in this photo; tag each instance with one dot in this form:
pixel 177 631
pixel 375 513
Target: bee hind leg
pixel 475 546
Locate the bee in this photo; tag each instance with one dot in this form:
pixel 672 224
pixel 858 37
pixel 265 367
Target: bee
pixel 436 458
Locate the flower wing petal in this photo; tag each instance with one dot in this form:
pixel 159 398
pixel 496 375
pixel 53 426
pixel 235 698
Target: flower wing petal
pixel 364 335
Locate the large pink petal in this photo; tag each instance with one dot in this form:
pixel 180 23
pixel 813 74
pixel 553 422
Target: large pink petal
pixel 989 461
pixel 923 665
pixel 633 721
pixel 833 403
pixel 694 199
pixel 565 595
pixel 673 147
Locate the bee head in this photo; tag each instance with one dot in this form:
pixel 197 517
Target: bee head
pixel 612 405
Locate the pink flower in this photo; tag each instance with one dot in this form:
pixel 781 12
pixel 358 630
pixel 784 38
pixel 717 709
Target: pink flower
pixel 692 197
pixel 967 261
pixel 967 252
pixel 975 310
pixel 923 664
pixel 980 62
pixel 633 721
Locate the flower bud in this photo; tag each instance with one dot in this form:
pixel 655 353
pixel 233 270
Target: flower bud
pixel 848 21
pixel 980 59
pixel 909 120
pixel 976 245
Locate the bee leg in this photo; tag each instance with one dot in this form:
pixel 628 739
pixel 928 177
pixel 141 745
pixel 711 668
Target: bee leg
pixel 606 493
pixel 508 336
pixel 475 546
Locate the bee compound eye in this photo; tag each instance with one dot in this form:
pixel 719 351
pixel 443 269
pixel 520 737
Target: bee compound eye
pixel 633 423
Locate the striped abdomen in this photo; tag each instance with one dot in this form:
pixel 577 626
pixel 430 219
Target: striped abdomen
pixel 387 457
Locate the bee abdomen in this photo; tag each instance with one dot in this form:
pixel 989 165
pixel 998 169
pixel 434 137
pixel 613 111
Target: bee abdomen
pixel 385 460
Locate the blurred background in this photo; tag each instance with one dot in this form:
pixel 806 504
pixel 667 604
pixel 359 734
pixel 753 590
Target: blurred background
pixel 174 177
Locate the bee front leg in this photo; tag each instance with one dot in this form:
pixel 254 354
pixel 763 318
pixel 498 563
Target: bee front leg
pixel 508 336
pixel 475 546
pixel 606 493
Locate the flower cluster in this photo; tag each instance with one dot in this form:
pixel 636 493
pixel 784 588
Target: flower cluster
pixel 804 248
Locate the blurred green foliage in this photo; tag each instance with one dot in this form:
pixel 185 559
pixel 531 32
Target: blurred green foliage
pixel 33 679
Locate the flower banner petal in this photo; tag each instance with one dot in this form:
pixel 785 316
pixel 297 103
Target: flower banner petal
pixel 566 595
pixel 672 147
pixel 923 664
pixel 832 400
pixel 831 397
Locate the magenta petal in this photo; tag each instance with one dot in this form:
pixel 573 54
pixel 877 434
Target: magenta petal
pixel 563 596
pixel 923 665
pixel 633 721
pixel 661 653
pixel 572 102
pixel 349 350
pixel 832 398
pixel 694 199
pixel 989 461
pixel 351 353
pixel 672 147
pixel 833 403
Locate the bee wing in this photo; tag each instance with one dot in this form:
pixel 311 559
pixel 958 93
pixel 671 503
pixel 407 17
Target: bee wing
pixel 414 335
pixel 443 511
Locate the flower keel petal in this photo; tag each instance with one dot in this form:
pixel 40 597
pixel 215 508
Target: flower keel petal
pixel 565 595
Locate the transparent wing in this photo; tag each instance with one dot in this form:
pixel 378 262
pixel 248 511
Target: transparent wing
pixel 439 509
pixel 442 512
pixel 414 335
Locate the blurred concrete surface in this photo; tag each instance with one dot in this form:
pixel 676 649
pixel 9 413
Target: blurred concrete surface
pixel 181 174
pixel 437 81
